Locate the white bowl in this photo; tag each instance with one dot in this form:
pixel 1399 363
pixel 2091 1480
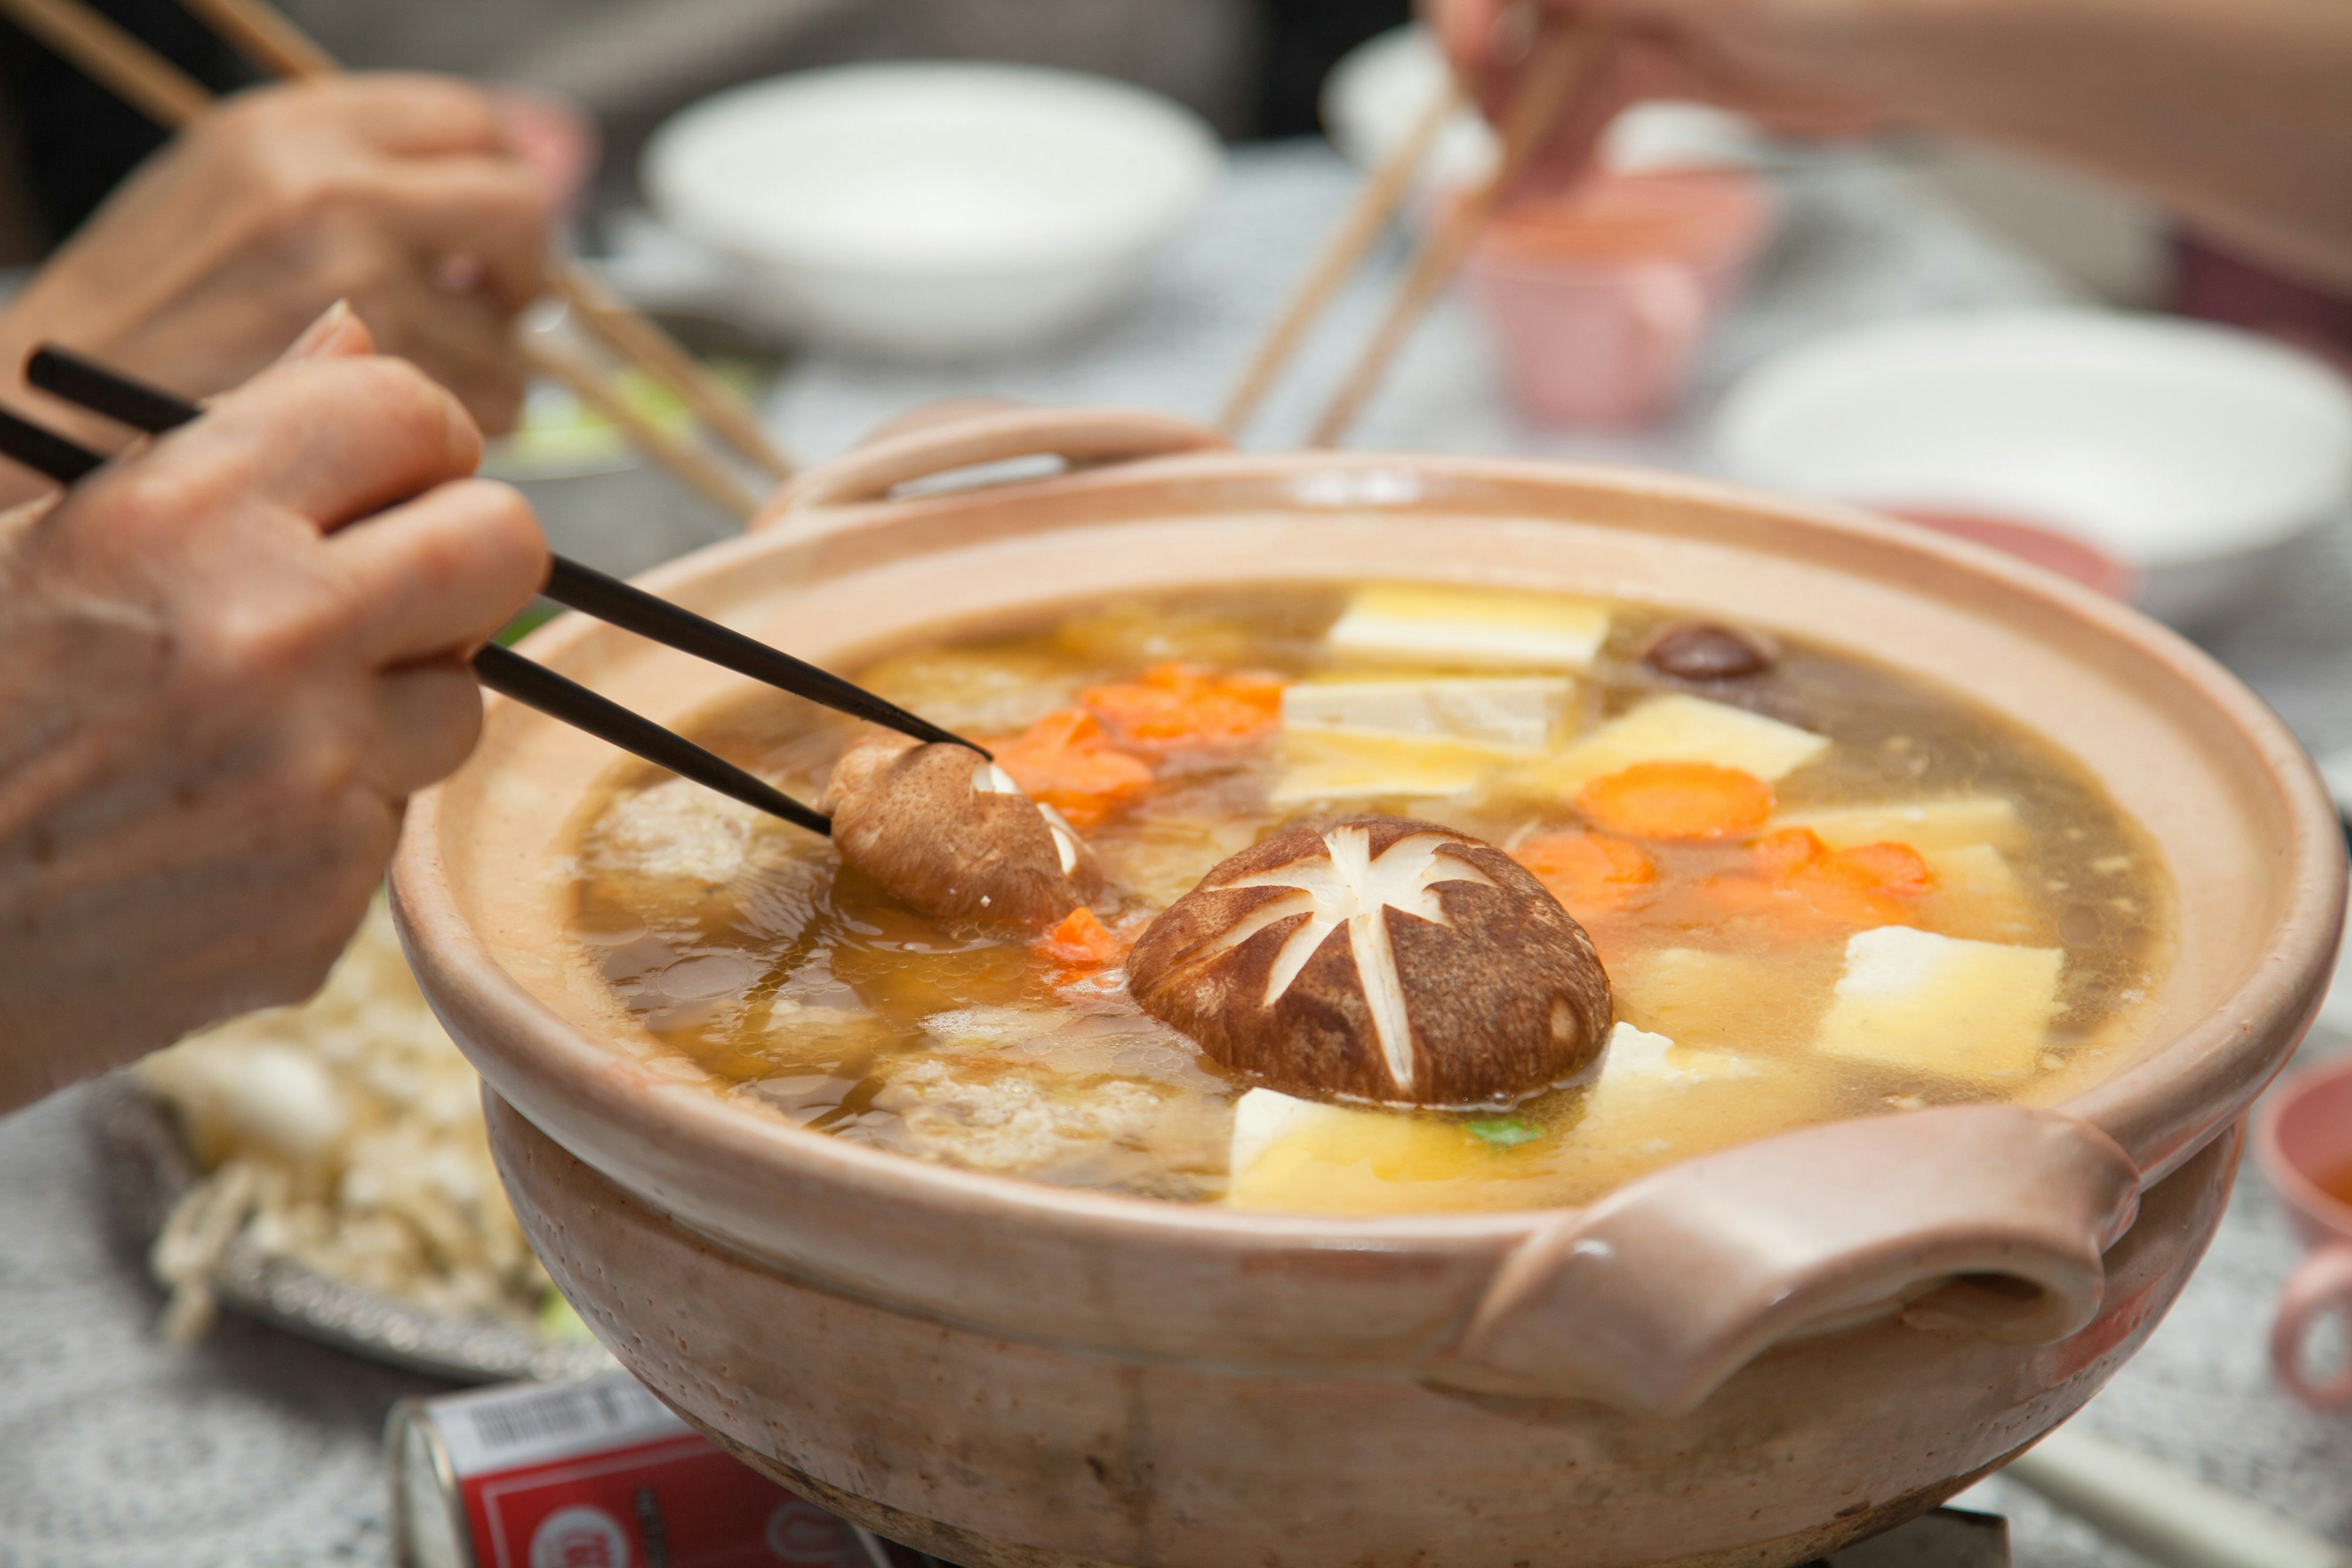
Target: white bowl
pixel 2193 453
pixel 931 208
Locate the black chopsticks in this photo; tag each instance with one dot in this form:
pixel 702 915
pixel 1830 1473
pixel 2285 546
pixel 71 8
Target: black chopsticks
pixel 581 588
pixel 570 584
pixel 505 671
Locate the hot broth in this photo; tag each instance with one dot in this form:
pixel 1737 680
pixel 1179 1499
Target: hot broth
pixel 1819 890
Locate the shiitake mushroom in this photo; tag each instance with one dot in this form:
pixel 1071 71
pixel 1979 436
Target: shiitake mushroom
pixel 949 834
pixel 1378 959
pixel 1705 650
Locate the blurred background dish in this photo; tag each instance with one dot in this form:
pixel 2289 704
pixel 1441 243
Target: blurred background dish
pixel 1598 298
pixel 2195 454
pixel 930 208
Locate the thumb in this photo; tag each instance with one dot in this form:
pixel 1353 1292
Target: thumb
pixel 338 334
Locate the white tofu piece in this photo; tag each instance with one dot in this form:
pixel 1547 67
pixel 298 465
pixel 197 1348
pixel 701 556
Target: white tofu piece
pixel 1976 891
pixel 1470 626
pixel 1632 1050
pixel 1952 822
pixel 1912 1000
pixel 1736 1000
pixel 1361 764
pixel 1637 1057
pixel 1518 711
pixel 1305 1156
pixel 1264 1117
pixel 1684 729
pixel 1979 870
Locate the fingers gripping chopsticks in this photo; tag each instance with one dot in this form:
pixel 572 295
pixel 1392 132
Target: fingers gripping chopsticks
pixel 579 587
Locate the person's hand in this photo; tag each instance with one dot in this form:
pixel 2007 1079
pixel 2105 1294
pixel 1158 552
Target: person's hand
pixel 2231 112
pixel 225 660
pixel 399 193
pixel 1789 63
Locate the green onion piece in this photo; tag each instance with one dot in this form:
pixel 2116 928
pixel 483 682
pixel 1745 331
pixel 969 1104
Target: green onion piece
pixel 1504 1132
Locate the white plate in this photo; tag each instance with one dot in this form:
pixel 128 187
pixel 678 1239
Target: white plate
pixel 930 207
pixel 2194 453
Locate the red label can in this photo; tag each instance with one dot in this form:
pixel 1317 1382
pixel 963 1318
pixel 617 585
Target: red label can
pixel 596 1475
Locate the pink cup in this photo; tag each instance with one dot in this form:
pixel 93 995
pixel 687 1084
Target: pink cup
pixel 1598 299
pixel 2304 1141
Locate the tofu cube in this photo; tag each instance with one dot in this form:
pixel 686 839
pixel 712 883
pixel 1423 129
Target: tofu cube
pixel 1518 711
pixel 1743 1001
pixel 1301 1154
pixel 1638 1059
pixel 1976 894
pixel 1361 764
pixel 1922 1003
pixel 1457 627
pixel 1684 729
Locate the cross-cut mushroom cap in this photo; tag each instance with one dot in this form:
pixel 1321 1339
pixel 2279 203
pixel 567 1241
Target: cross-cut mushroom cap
pixel 1378 959
pixel 950 834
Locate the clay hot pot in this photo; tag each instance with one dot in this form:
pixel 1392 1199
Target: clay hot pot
pixel 1747 1358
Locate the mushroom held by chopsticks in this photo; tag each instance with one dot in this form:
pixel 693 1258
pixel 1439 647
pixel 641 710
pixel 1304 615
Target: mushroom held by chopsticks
pixel 1378 959
pixel 950 834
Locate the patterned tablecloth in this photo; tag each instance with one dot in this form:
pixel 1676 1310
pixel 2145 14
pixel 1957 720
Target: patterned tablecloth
pixel 256 1448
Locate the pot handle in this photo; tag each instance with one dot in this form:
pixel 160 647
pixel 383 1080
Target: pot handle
pixel 1988 1218
pixel 969 432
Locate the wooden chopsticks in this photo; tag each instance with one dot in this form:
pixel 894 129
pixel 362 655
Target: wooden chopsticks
pixel 1565 55
pixel 169 95
pixel 114 58
pixel 582 588
pixel 1375 200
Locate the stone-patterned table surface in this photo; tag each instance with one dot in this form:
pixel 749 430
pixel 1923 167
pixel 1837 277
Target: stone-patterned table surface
pixel 257 1449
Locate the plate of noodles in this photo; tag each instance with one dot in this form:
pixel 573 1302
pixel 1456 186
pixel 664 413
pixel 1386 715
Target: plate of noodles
pixel 324 1168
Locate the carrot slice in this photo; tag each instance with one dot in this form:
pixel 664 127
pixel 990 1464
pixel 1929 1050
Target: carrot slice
pixel 1805 890
pixel 1677 800
pixel 1068 762
pixel 1175 705
pixel 1788 851
pixel 1592 875
pixel 1896 868
pixel 1081 941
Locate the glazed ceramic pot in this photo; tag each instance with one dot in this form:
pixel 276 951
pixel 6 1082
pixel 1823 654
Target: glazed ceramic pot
pixel 1747 1358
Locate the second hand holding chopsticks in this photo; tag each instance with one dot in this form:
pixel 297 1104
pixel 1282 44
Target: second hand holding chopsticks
pixel 581 588
pixel 134 72
pixel 1561 64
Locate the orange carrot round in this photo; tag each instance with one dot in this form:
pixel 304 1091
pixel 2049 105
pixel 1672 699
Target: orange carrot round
pixel 1788 851
pixel 1591 874
pixel 1172 705
pixel 1677 800
pixel 1895 868
pixel 1065 760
